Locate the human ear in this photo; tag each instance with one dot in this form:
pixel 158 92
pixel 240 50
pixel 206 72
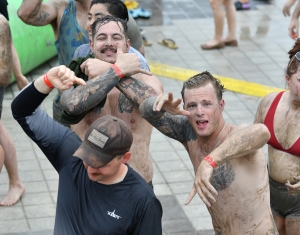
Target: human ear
pixel 127 45
pixel 126 157
pixel 92 45
pixel 222 104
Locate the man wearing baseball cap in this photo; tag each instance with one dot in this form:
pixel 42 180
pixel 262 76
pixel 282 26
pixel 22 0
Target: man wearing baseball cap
pixel 98 192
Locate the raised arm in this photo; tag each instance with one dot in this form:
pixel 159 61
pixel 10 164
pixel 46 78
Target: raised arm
pixel 81 99
pixel 5 51
pixel 294 24
pixel 36 123
pixel 175 125
pixel 243 141
pixel 39 13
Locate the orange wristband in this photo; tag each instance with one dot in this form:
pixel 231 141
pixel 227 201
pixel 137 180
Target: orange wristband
pixel 117 71
pixel 211 161
pixel 47 82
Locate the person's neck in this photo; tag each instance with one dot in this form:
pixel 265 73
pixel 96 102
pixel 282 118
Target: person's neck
pixel 294 103
pixel 118 177
pixel 209 143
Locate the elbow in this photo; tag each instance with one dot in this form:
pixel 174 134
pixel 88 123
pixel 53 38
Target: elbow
pixel 23 15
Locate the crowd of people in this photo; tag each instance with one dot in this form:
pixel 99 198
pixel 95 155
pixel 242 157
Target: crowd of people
pixel 104 112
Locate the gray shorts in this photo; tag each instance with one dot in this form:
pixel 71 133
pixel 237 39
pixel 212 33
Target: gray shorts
pixel 283 204
pixel 2 90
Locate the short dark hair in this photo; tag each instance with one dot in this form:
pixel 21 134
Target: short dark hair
pixel 202 79
pixel 115 8
pixel 106 19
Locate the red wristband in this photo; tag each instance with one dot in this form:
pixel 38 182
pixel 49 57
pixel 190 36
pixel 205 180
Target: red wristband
pixel 211 161
pixel 118 71
pixel 47 82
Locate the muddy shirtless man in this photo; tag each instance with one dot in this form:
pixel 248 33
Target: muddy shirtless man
pixel 230 166
pixel 109 33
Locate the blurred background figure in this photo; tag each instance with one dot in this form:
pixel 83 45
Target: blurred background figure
pixel 242 5
pixel 218 42
pixel 7 150
pixel 21 80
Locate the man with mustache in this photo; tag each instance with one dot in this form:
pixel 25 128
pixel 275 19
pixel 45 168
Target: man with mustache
pixel 68 19
pixel 108 34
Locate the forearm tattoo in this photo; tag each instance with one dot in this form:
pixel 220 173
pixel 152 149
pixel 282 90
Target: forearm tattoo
pixel 39 16
pixel 176 127
pixel 136 91
pixel 83 98
pixel 222 176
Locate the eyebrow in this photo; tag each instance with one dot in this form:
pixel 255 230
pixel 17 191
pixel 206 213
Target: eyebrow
pixel 104 34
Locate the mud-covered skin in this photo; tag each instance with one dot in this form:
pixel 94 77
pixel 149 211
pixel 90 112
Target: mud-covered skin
pixel 5 52
pixel 39 13
pixel 243 202
pixel 283 167
pixel 124 106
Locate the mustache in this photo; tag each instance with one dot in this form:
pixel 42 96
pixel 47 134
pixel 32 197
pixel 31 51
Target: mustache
pixel 109 48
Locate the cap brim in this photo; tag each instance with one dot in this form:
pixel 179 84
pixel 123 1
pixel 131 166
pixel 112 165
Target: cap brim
pixel 92 157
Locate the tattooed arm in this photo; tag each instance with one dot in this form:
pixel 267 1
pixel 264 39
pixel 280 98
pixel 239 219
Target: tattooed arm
pixel 5 51
pixel 136 90
pixel 82 98
pixel 39 13
pixel 174 126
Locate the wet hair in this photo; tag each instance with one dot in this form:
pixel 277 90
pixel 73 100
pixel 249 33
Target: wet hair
pixel 294 63
pixel 106 19
pixel 116 8
pixel 202 79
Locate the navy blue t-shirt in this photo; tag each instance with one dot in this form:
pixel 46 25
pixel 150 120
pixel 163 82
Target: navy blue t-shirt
pixel 85 206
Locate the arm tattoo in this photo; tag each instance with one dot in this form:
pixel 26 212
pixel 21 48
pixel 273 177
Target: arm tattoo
pixel 222 176
pixel 43 15
pixel 83 98
pixel 124 105
pixel 174 126
pixel 39 17
pixel 136 91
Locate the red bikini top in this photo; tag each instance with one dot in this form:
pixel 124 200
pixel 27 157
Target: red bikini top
pixel 269 122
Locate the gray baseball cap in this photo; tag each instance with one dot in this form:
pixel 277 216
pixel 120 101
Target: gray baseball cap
pixel 106 138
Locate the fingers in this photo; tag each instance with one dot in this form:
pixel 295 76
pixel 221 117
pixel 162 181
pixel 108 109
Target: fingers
pixel 191 196
pixel 83 67
pixel 145 72
pixel 159 102
pixel 119 48
pixel 293 189
pixel 79 81
pixel 206 193
pixel 170 96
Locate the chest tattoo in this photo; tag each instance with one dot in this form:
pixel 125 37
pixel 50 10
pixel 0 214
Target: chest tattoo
pixel 124 105
pixel 222 176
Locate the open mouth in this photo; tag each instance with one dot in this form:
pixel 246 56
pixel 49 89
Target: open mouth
pixel 109 51
pixel 201 124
